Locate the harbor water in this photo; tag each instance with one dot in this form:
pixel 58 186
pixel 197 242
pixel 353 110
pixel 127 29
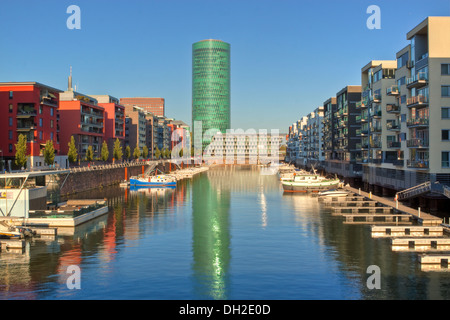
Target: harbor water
pixel 228 233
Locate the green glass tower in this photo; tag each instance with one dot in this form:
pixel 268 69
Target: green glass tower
pixel 211 86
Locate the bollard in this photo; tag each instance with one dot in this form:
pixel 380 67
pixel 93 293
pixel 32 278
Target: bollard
pixel 359 191
pixel 370 195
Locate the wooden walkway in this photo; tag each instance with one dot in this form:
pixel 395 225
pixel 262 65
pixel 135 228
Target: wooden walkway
pixel 423 218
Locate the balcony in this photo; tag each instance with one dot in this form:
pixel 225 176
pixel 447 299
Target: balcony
pixel 24 114
pixel 417 143
pixel 376 98
pixel 393 126
pixel 394 144
pixel 392 108
pixel 419 164
pixel 395 162
pixel 419 80
pixel 376 113
pixel 417 122
pixel 375 129
pixel 375 144
pixel 417 101
pixel 392 91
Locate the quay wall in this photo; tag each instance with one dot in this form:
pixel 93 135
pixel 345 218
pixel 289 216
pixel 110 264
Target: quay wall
pixel 88 179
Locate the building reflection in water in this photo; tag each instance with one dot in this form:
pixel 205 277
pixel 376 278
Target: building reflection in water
pixel 211 239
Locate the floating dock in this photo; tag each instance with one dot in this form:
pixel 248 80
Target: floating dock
pixel 408 230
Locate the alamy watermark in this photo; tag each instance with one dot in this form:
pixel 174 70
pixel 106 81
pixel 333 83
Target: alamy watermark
pixel 374 21
pixel 374 280
pixel 74 279
pixel 74 20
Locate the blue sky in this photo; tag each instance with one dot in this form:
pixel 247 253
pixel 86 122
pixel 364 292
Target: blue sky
pixel 287 57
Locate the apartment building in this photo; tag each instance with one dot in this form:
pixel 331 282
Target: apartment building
pixel 114 120
pixel 404 116
pixel 31 109
pixel 135 127
pixel 342 140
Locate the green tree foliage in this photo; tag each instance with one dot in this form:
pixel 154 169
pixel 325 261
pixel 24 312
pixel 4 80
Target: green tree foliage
pixel 117 152
pixel 72 154
pixel 104 154
pixel 136 152
pixel 127 152
pixel 21 151
pixel 157 153
pixel 145 152
pixel 49 153
pixel 89 154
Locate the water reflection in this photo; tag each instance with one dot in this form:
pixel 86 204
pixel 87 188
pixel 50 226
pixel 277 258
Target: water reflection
pixel 210 238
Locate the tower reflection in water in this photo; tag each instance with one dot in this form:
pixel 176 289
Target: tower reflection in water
pixel 211 239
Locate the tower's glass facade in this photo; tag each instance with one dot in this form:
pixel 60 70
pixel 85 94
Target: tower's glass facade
pixel 211 86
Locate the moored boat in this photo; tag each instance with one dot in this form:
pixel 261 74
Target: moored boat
pixel 153 181
pixel 309 183
pixel 333 193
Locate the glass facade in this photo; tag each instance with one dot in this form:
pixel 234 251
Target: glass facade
pixel 211 86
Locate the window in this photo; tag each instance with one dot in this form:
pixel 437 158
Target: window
pixel 403 118
pixel 402 60
pixel 41 122
pixel 10 121
pixel 10 108
pixel 445 69
pixel 40 135
pixel 445 134
pixel 445 91
pixel 51 112
pixel 401 81
pixel 40 109
pixel 10 134
pixel 10 147
pixel 445 112
pixel 51 122
pixel 445 159
pixel 10 94
pixel 403 99
pixel 51 135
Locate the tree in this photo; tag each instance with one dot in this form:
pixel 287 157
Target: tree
pixel 49 153
pixel 157 153
pixel 117 152
pixel 127 152
pixel 136 152
pixel 145 152
pixel 89 154
pixel 104 152
pixel 21 151
pixel 72 153
pixel 167 153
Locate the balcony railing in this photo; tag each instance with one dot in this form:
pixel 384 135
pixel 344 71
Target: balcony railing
pixel 375 144
pixel 417 101
pixel 418 80
pixel 394 144
pixel 392 126
pixel 418 122
pixel 376 97
pixel 417 143
pixel 392 108
pixel 417 163
pixel 391 91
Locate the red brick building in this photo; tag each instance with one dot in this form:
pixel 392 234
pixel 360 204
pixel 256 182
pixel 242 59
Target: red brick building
pixel 28 108
pixel 153 105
